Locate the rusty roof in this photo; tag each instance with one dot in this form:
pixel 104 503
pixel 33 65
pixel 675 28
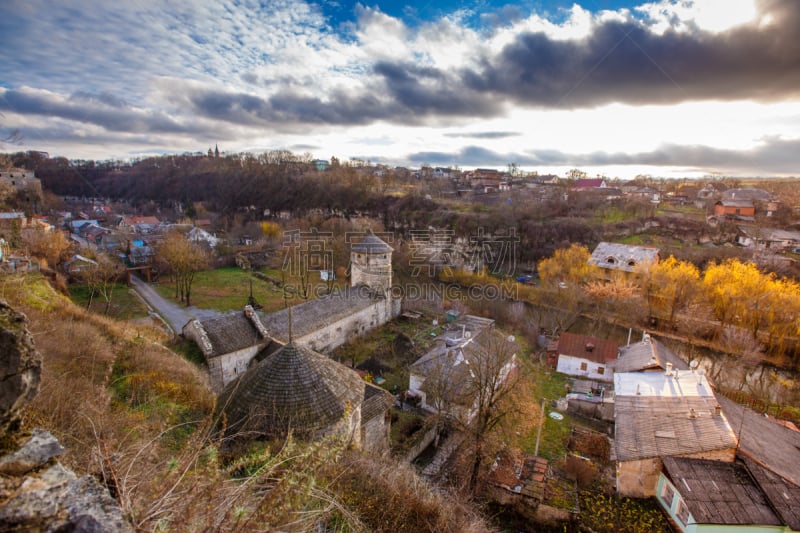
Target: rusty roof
pixel 587 347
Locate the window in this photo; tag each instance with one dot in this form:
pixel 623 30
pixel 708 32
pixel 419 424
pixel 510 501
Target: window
pixel 584 366
pixel 601 370
pixel 682 513
pixel 667 494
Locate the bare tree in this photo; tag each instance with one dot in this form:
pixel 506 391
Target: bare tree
pixel 101 278
pixel 183 259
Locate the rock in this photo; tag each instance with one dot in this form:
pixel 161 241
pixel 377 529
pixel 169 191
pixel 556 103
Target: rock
pixel 20 366
pixel 36 452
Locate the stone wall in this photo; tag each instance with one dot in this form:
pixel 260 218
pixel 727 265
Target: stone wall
pixel 375 435
pixel 337 333
pixel 225 368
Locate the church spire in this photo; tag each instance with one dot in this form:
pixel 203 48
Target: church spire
pixel 216 150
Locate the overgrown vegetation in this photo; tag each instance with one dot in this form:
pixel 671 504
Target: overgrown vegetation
pixel 138 416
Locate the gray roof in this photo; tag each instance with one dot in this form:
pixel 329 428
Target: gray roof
pixel 371 244
pixel 719 493
pixel 647 355
pixel 783 495
pixel 294 389
pixel 746 193
pixel 315 314
pixel 651 426
pixel 376 402
pixel 442 348
pixel 622 256
pixel 762 439
pixel 231 332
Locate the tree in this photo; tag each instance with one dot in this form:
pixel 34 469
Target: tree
pixel 102 277
pixel 568 265
pixel 469 384
pixel 183 259
pixel 52 246
pixel 672 284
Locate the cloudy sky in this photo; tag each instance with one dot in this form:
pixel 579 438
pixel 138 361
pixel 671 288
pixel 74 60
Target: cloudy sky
pixel 666 87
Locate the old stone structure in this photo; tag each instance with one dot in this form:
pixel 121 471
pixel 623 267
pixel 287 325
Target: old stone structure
pixel 28 186
pixel 299 390
pixel 231 343
pixel 272 376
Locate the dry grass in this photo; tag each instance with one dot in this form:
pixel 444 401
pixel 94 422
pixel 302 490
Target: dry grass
pixel 387 496
pixel 138 416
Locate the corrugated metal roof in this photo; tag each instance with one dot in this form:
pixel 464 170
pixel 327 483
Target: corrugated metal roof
pixel 649 354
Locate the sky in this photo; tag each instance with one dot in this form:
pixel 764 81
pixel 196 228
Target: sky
pixel 668 88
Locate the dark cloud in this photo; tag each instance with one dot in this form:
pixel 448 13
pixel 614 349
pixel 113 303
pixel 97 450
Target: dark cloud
pixel 102 110
pixel 626 62
pixel 772 156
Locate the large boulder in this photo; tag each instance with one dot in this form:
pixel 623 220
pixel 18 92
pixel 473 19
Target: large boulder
pixel 20 366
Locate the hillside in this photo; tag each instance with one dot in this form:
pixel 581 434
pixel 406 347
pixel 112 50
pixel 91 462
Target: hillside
pixel 138 417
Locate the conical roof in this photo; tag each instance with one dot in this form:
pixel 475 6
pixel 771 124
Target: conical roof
pixel 294 388
pixel 371 244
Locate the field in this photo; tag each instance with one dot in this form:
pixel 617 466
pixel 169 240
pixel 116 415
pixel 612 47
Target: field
pixel 228 289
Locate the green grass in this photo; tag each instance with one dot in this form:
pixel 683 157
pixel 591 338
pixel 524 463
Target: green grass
pixel 124 304
pixel 228 289
pixel 555 433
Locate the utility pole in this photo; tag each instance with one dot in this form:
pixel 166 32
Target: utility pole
pixel 539 433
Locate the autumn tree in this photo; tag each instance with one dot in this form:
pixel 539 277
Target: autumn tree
pixel 570 265
pixel 183 259
pixel 672 284
pixel 52 246
pixel 737 292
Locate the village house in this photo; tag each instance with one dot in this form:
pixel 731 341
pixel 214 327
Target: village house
pixel 758 492
pixel 445 379
pixel 585 184
pixel 614 257
pixel 138 224
pixel 665 414
pixel 586 357
pixel 649 355
pixel 768 238
pixel 738 209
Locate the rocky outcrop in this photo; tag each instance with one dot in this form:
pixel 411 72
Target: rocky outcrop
pixel 20 366
pixel 37 494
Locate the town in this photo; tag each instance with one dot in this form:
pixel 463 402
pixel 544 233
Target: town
pixel 532 352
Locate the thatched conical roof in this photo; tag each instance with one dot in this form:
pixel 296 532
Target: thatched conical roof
pixel 294 388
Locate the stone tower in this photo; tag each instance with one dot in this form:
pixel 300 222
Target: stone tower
pixel 371 263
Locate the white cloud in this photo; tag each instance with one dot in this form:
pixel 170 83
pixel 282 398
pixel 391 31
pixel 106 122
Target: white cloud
pixel 708 15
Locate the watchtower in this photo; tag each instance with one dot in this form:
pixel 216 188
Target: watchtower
pixel 371 263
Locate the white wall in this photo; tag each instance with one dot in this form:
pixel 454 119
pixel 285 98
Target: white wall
pixel 570 365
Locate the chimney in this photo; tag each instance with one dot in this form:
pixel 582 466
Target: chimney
pixel 717 410
pixel 589 347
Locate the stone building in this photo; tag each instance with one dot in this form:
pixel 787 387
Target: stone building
pixel 299 390
pixel 233 342
pixel 28 186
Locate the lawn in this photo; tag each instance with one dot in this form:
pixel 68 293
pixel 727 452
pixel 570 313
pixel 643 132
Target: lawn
pixel 228 289
pixel 124 304
pixel 555 433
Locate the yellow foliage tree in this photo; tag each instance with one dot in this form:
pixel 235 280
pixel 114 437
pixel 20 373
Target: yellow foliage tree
pixel 570 265
pixel 672 284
